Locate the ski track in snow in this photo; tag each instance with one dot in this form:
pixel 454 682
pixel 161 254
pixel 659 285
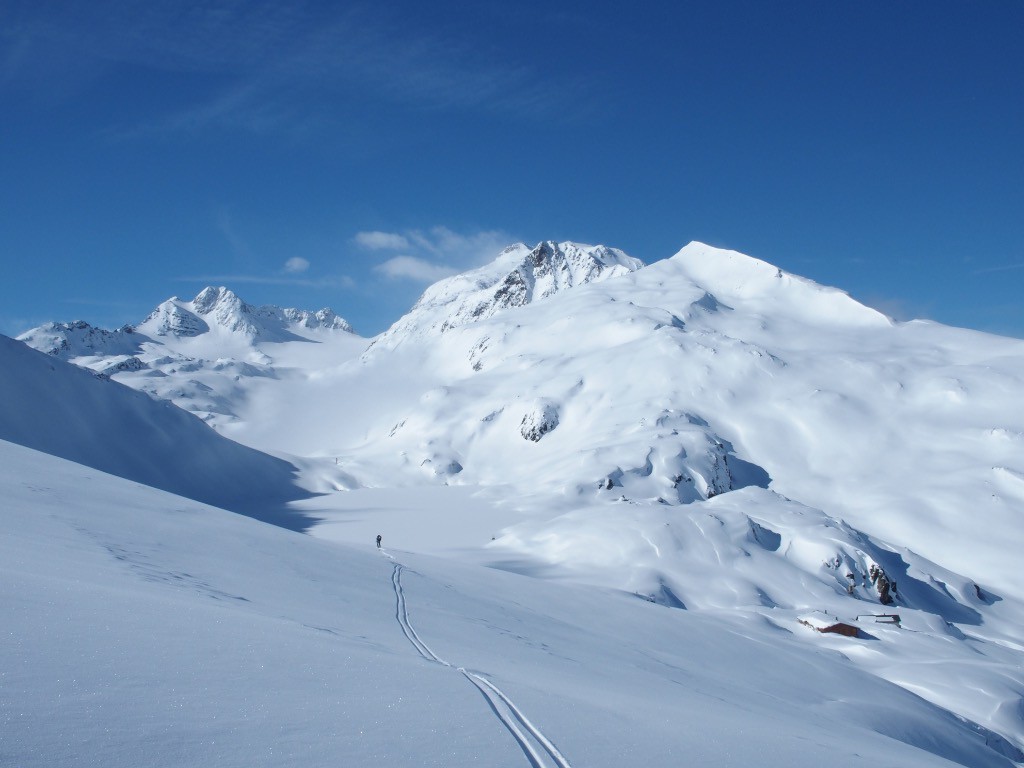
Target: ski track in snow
pixel 500 704
pixel 506 709
pixel 402 614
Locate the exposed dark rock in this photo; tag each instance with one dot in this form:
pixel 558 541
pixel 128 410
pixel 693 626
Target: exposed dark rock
pixel 886 587
pixel 539 421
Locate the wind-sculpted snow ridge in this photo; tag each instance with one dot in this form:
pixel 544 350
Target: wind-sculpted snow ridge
pixel 519 276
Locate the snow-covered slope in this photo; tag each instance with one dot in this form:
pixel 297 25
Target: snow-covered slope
pixel 142 629
pixel 62 410
pixel 707 431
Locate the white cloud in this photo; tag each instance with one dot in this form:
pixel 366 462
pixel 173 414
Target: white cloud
pixel 413 268
pixel 431 254
pixel 382 241
pixel 295 265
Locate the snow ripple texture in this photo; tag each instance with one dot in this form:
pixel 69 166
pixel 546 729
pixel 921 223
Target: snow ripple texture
pixel 531 740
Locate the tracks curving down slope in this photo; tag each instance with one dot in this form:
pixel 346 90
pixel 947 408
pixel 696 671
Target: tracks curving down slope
pixel 531 740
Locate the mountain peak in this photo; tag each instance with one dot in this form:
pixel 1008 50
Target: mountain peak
pixel 219 307
pixel 67 340
pixel 226 309
pixel 735 279
pixel 212 297
pixel 519 275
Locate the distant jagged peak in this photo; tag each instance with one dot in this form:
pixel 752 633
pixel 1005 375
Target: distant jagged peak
pixel 322 318
pixel 171 318
pixel 523 274
pixel 520 275
pixel 735 279
pixel 219 307
pixel 79 339
pixel 226 310
pixel 213 298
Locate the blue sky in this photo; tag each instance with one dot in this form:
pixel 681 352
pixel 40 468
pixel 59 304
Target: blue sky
pixel 346 154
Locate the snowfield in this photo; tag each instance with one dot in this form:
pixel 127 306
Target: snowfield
pixel 616 501
pixel 145 629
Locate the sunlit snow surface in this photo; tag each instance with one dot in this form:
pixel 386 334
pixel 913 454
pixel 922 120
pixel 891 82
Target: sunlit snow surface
pixel 144 629
pixel 706 433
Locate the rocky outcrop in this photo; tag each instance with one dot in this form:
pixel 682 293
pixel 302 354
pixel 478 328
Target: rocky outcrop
pixel 538 421
pixel 128 364
pixel 886 587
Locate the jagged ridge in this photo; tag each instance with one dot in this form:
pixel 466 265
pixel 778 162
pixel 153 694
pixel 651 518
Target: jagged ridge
pixel 224 309
pixel 519 276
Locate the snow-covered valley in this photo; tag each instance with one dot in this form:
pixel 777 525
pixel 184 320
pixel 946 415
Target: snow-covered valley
pixel 622 495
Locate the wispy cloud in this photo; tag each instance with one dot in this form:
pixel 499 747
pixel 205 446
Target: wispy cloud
pixel 251 266
pixel 239 247
pixel 296 265
pixel 1003 268
pixel 412 268
pixel 381 241
pixel 271 66
pixel 900 309
pixel 15 326
pixel 428 255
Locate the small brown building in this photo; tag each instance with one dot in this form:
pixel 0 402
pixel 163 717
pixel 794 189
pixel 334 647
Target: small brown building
pixel 822 622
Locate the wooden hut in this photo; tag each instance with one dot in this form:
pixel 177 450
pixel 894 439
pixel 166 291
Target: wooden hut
pixel 822 622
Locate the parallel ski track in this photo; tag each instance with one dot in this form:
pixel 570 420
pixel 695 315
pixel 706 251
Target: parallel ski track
pixel 506 711
pixel 402 614
pixel 500 704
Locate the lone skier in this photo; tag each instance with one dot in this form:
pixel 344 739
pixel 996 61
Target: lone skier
pixel 378 541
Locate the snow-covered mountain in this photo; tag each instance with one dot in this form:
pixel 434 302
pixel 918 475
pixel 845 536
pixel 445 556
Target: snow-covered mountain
pixel 707 432
pixel 66 341
pixel 199 353
pixel 517 277
pixel 213 310
pixel 219 309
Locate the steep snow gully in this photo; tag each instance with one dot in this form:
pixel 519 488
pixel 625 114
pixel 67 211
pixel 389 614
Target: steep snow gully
pixel 533 742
